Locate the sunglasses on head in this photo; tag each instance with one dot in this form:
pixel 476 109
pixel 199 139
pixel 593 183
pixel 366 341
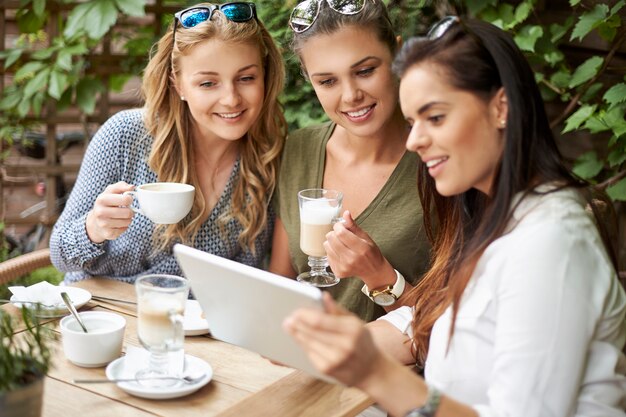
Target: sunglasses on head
pixel 238 12
pixel 441 28
pixel 305 13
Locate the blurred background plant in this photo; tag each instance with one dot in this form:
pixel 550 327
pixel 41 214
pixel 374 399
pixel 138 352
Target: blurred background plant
pixel 576 48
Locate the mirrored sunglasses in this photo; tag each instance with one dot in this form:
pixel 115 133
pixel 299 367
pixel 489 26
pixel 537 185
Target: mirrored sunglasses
pixel 237 12
pixel 441 27
pixel 305 13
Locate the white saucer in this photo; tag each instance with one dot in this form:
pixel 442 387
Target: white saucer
pixel 194 324
pixel 193 364
pixel 79 298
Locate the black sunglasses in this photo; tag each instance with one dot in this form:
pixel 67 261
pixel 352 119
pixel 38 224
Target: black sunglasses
pixel 305 13
pixel 238 12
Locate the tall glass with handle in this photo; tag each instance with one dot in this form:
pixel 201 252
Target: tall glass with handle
pixel 319 210
pixel 160 308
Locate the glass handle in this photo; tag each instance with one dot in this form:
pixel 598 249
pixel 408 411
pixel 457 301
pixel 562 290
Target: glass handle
pixel 177 321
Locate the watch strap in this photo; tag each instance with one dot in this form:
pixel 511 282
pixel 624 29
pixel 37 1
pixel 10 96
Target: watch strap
pixel 396 290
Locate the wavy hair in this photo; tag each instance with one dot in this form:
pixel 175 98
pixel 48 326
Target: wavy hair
pixel 471 221
pixel 168 120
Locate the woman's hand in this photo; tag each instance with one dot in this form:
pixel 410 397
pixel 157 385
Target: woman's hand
pixel 336 341
pixel 352 252
pixel 111 215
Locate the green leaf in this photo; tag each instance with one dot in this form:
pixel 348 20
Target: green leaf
pixel 12 56
pixel 27 71
pixel 617 191
pixel 132 7
pixel 596 124
pixel 579 117
pixel 557 32
pixel 86 93
pixel 9 101
pixel 619 128
pixel 28 21
pixel 23 107
pixel 117 81
pixel 58 84
pixel 75 21
pixel 65 101
pixel 615 94
pixel 42 54
pixel 561 79
pixel 528 36
pixel 616 157
pixel 554 57
pixel 64 60
pixel 37 103
pixel 100 19
pixel 78 49
pixel 589 21
pixel 586 71
pixel 607 30
pixel 591 92
pixel 522 12
pixel 37 83
pixel 39 7
pixel 618 6
pixel 587 166
pixel 574 2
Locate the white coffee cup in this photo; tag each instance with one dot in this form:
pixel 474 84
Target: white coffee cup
pixel 163 202
pixel 100 345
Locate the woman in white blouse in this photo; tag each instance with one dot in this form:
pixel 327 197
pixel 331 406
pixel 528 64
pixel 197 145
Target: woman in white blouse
pixel 522 313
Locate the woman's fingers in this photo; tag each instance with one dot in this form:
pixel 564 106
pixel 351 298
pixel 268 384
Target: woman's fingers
pixel 110 215
pixel 338 345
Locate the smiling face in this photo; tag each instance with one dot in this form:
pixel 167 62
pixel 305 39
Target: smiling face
pixel 457 134
pixel 223 85
pixel 350 70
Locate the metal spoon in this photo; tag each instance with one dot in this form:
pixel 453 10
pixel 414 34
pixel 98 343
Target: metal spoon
pixel 187 379
pixel 70 307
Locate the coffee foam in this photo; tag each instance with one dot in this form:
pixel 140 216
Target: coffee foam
pixel 318 211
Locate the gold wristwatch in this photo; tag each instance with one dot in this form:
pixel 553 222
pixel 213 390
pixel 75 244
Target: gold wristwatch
pixel 388 295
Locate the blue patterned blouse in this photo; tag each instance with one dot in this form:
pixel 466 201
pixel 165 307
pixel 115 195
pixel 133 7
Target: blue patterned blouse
pixel 119 152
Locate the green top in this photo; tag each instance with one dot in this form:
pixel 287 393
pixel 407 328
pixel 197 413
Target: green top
pixel 393 219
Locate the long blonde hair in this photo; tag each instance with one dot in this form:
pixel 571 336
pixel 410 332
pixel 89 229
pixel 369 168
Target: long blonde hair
pixel 168 120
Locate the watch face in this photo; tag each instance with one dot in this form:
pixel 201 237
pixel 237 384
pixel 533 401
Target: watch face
pixel 384 299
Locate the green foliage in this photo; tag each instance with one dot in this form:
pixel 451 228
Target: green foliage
pixel 58 73
pixel 592 102
pixel 26 356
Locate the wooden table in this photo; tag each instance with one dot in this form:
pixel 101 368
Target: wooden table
pixel 243 384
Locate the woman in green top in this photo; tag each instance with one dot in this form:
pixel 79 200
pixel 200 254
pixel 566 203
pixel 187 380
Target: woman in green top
pixel 346 49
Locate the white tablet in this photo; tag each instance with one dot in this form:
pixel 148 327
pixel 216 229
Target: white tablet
pixel 246 306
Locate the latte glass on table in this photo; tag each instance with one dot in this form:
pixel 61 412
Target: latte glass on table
pixel 319 210
pixel 163 202
pixel 160 315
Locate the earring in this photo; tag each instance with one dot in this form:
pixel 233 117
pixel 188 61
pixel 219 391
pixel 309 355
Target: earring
pixel 502 124
pixel 182 98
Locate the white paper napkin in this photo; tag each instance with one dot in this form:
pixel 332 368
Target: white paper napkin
pixel 42 292
pixel 137 359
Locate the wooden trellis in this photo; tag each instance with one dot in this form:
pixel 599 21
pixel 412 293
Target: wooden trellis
pixel 104 61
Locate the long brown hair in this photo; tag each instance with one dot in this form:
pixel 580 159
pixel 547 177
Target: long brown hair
pixel 168 120
pixel 471 221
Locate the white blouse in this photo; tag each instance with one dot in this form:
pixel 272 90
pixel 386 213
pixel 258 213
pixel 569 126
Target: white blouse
pixel 542 324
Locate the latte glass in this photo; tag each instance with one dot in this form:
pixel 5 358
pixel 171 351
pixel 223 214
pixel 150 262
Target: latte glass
pixel 160 308
pixel 319 210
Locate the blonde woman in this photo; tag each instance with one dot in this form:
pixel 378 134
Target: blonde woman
pixel 211 119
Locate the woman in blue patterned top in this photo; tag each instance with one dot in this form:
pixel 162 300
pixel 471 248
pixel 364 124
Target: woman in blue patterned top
pixel 211 119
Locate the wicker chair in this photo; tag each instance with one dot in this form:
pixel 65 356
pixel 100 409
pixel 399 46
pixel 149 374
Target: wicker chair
pixel 23 264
